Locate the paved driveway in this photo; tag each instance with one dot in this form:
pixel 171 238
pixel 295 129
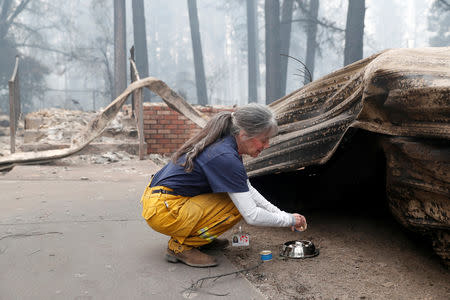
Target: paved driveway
pixel 75 232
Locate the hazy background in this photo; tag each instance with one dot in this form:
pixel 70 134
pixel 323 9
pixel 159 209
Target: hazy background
pixel 67 47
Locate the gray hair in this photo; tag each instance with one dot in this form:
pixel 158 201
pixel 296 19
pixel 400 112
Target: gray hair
pixel 253 119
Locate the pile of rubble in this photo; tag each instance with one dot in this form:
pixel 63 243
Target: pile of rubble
pixel 54 128
pixel 58 126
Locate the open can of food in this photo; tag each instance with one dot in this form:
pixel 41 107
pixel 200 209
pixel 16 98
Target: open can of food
pixel 266 255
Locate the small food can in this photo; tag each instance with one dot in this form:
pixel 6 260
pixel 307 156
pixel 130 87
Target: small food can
pixel 266 255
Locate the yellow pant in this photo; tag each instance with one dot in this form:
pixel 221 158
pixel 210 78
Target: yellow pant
pixel 190 221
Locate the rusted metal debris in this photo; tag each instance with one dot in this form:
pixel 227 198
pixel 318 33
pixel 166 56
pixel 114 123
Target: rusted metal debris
pixel 402 94
pixel 99 123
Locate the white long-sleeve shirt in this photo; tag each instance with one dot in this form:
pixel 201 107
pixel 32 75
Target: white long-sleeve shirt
pixel 256 210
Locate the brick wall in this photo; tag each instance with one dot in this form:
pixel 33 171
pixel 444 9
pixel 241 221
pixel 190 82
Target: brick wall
pixel 165 130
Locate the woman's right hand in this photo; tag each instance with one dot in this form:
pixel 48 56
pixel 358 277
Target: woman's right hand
pixel 300 223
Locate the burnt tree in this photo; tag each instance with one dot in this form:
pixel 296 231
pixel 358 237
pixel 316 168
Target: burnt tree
pixel 311 33
pixel 120 58
pixel 252 37
pixel 354 31
pixel 140 42
pixel 200 79
pixel 273 61
pixel 285 34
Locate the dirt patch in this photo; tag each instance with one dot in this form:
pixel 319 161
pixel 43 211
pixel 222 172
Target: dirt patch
pixel 361 257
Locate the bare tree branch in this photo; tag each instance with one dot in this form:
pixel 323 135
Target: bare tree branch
pixel 445 4
pixel 3 18
pixel 5 8
pixel 42 47
pixel 32 30
pixel 17 11
pixel 323 23
pixel 307 72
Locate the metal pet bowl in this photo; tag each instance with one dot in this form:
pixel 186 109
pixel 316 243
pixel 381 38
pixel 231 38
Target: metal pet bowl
pixel 299 249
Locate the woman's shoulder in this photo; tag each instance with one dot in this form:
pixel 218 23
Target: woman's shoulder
pixel 226 144
pixel 224 148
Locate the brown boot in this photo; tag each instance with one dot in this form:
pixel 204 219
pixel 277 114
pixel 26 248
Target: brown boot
pixel 217 244
pixel 192 257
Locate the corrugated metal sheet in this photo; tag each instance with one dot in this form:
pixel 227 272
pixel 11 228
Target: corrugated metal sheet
pixel 401 94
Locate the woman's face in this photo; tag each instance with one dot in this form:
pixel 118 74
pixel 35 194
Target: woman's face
pixel 252 146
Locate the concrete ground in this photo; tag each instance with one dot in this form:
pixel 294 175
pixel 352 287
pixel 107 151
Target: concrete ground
pixel 75 232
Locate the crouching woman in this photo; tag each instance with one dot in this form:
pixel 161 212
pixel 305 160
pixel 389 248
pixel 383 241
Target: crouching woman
pixel 204 190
